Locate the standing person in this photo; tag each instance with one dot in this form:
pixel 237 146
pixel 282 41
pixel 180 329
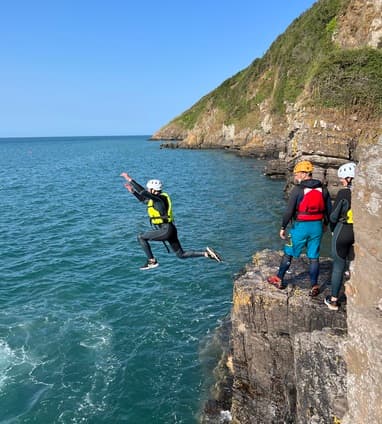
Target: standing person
pixel 341 224
pixel 308 208
pixel 159 209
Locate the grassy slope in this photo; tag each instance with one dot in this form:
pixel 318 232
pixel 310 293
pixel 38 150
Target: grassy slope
pixel 303 57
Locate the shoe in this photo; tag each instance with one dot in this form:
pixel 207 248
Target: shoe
pixel 212 254
pixel 276 281
pixel 331 304
pixel 314 291
pixel 150 264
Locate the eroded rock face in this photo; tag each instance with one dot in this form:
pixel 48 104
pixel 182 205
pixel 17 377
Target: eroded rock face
pixel 287 362
pixel 363 351
pixel 361 25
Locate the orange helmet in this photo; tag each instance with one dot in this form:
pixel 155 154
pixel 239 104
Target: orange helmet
pixel 303 166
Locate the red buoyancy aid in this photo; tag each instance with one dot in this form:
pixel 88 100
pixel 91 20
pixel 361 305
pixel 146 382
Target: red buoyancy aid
pixel 312 205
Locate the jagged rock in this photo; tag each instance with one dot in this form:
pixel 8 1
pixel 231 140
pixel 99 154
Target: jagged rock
pixel 169 145
pixel 363 351
pixel 320 376
pixel 276 168
pixel 217 409
pixel 361 25
pixel 273 334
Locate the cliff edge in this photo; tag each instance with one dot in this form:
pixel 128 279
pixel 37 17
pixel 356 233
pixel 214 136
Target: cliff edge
pixel 286 358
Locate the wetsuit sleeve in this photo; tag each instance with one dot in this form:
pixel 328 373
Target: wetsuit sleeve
pixel 328 206
pixel 341 205
pixel 291 207
pixel 138 190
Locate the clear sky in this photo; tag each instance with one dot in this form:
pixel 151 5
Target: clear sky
pixel 124 67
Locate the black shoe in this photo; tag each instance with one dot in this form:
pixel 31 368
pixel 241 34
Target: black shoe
pixel 212 254
pixel 150 264
pixel 331 304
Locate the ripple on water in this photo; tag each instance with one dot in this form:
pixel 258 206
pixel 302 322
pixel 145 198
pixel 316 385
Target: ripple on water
pixel 85 336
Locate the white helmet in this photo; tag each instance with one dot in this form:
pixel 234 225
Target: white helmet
pixel 154 185
pixel 347 170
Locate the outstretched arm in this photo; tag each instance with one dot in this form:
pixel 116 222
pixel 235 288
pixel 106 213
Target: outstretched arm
pixel 133 187
pixel 126 176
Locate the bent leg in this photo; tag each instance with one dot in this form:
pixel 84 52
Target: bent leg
pixel 177 248
pixel 154 235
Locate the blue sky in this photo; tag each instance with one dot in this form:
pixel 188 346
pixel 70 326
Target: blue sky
pixel 121 67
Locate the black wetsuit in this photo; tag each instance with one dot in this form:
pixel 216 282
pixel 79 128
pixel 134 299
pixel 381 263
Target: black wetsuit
pixel 161 232
pixel 343 238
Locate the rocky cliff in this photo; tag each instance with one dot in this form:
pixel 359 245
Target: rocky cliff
pixel 316 93
pixel 290 359
pixel 285 357
pixel 363 348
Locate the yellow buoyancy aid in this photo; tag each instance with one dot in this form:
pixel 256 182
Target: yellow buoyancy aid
pixel 155 217
pixel 349 217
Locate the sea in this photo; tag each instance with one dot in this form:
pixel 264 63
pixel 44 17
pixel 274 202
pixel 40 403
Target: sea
pixel 85 335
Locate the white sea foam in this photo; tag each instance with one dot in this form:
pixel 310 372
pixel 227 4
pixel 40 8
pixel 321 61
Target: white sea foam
pixel 6 359
pixel 225 417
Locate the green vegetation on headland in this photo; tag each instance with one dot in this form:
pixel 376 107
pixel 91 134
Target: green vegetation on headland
pixel 350 79
pixel 303 59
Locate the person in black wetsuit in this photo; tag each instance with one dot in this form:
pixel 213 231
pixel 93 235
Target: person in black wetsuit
pixel 159 209
pixel 341 224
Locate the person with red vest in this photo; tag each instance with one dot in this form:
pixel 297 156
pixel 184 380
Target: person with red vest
pixel 308 210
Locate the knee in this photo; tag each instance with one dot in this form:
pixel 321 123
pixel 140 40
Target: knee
pixel 140 237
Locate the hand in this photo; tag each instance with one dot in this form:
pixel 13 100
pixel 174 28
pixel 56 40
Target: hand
pixel 126 176
pixel 129 187
pixel 282 234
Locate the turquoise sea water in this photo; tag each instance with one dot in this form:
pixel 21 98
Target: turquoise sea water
pixel 85 336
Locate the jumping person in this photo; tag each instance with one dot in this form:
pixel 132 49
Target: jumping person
pixel 341 224
pixel 308 208
pixel 159 209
